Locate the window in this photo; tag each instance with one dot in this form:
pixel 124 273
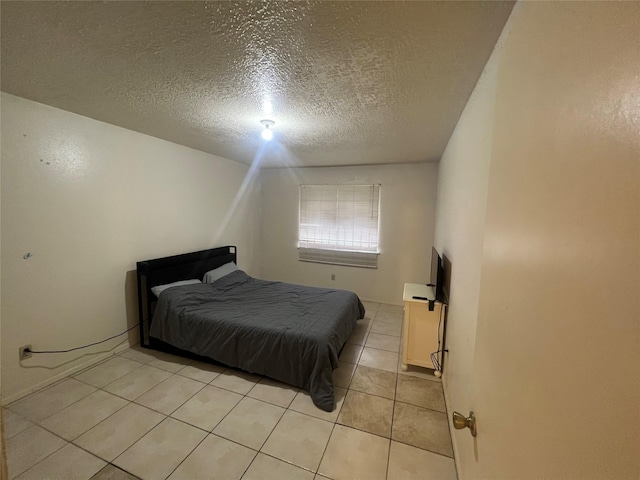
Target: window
pixel 339 224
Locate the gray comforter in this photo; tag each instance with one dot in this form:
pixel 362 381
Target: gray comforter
pixel 291 333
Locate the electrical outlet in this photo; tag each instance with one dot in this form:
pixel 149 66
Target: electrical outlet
pixel 25 352
pixel 333 277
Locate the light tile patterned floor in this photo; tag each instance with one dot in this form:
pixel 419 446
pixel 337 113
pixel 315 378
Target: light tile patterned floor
pixel 149 415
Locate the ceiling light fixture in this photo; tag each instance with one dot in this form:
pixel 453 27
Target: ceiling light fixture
pixel 267 133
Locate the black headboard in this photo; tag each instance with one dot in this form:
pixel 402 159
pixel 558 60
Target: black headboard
pixel 172 269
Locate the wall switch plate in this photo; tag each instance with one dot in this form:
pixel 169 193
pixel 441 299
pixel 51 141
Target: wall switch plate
pixel 333 277
pixel 24 352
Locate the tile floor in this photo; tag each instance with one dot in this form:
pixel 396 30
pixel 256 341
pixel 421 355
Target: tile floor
pixel 150 415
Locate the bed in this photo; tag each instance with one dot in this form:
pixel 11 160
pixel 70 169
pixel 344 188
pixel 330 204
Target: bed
pixel 291 333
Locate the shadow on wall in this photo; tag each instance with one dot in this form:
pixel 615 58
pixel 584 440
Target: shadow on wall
pixel 446 273
pixel 131 306
pixel 446 289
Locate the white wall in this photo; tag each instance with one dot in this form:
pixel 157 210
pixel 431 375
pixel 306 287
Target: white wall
pixel 459 235
pixel 87 200
pixel 407 215
pixel 553 296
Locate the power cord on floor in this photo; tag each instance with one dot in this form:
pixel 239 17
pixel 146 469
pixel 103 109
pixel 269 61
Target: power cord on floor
pixel 28 350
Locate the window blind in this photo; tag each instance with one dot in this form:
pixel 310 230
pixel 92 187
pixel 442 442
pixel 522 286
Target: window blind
pixel 339 224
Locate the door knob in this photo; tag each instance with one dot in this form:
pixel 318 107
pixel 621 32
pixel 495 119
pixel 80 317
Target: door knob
pixel 460 422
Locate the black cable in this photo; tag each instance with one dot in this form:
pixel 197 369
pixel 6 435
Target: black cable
pixel 84 346
pixel 434 355
pixel 440 323
pixel 442 309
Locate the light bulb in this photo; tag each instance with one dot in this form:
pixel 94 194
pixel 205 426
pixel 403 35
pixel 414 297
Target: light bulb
pixel 267 134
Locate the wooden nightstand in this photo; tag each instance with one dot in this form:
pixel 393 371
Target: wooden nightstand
pixel 420 327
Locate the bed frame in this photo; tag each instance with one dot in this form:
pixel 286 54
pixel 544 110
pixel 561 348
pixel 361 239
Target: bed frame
pixel 172 269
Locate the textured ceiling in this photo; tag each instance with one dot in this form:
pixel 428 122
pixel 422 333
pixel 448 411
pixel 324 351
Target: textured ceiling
pixel 346 82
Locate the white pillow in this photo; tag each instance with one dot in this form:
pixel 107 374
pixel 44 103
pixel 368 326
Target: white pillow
pixel 158 289
pixel 217 273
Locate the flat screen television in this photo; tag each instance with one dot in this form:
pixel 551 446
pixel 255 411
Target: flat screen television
pixel 436 279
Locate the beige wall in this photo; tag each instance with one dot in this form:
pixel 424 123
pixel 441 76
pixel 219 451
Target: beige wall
pixel 4 473
pixel 555 376
pixel 407 213
pixel 88 200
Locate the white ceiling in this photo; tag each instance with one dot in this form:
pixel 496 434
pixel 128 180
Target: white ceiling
pixel 347 83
